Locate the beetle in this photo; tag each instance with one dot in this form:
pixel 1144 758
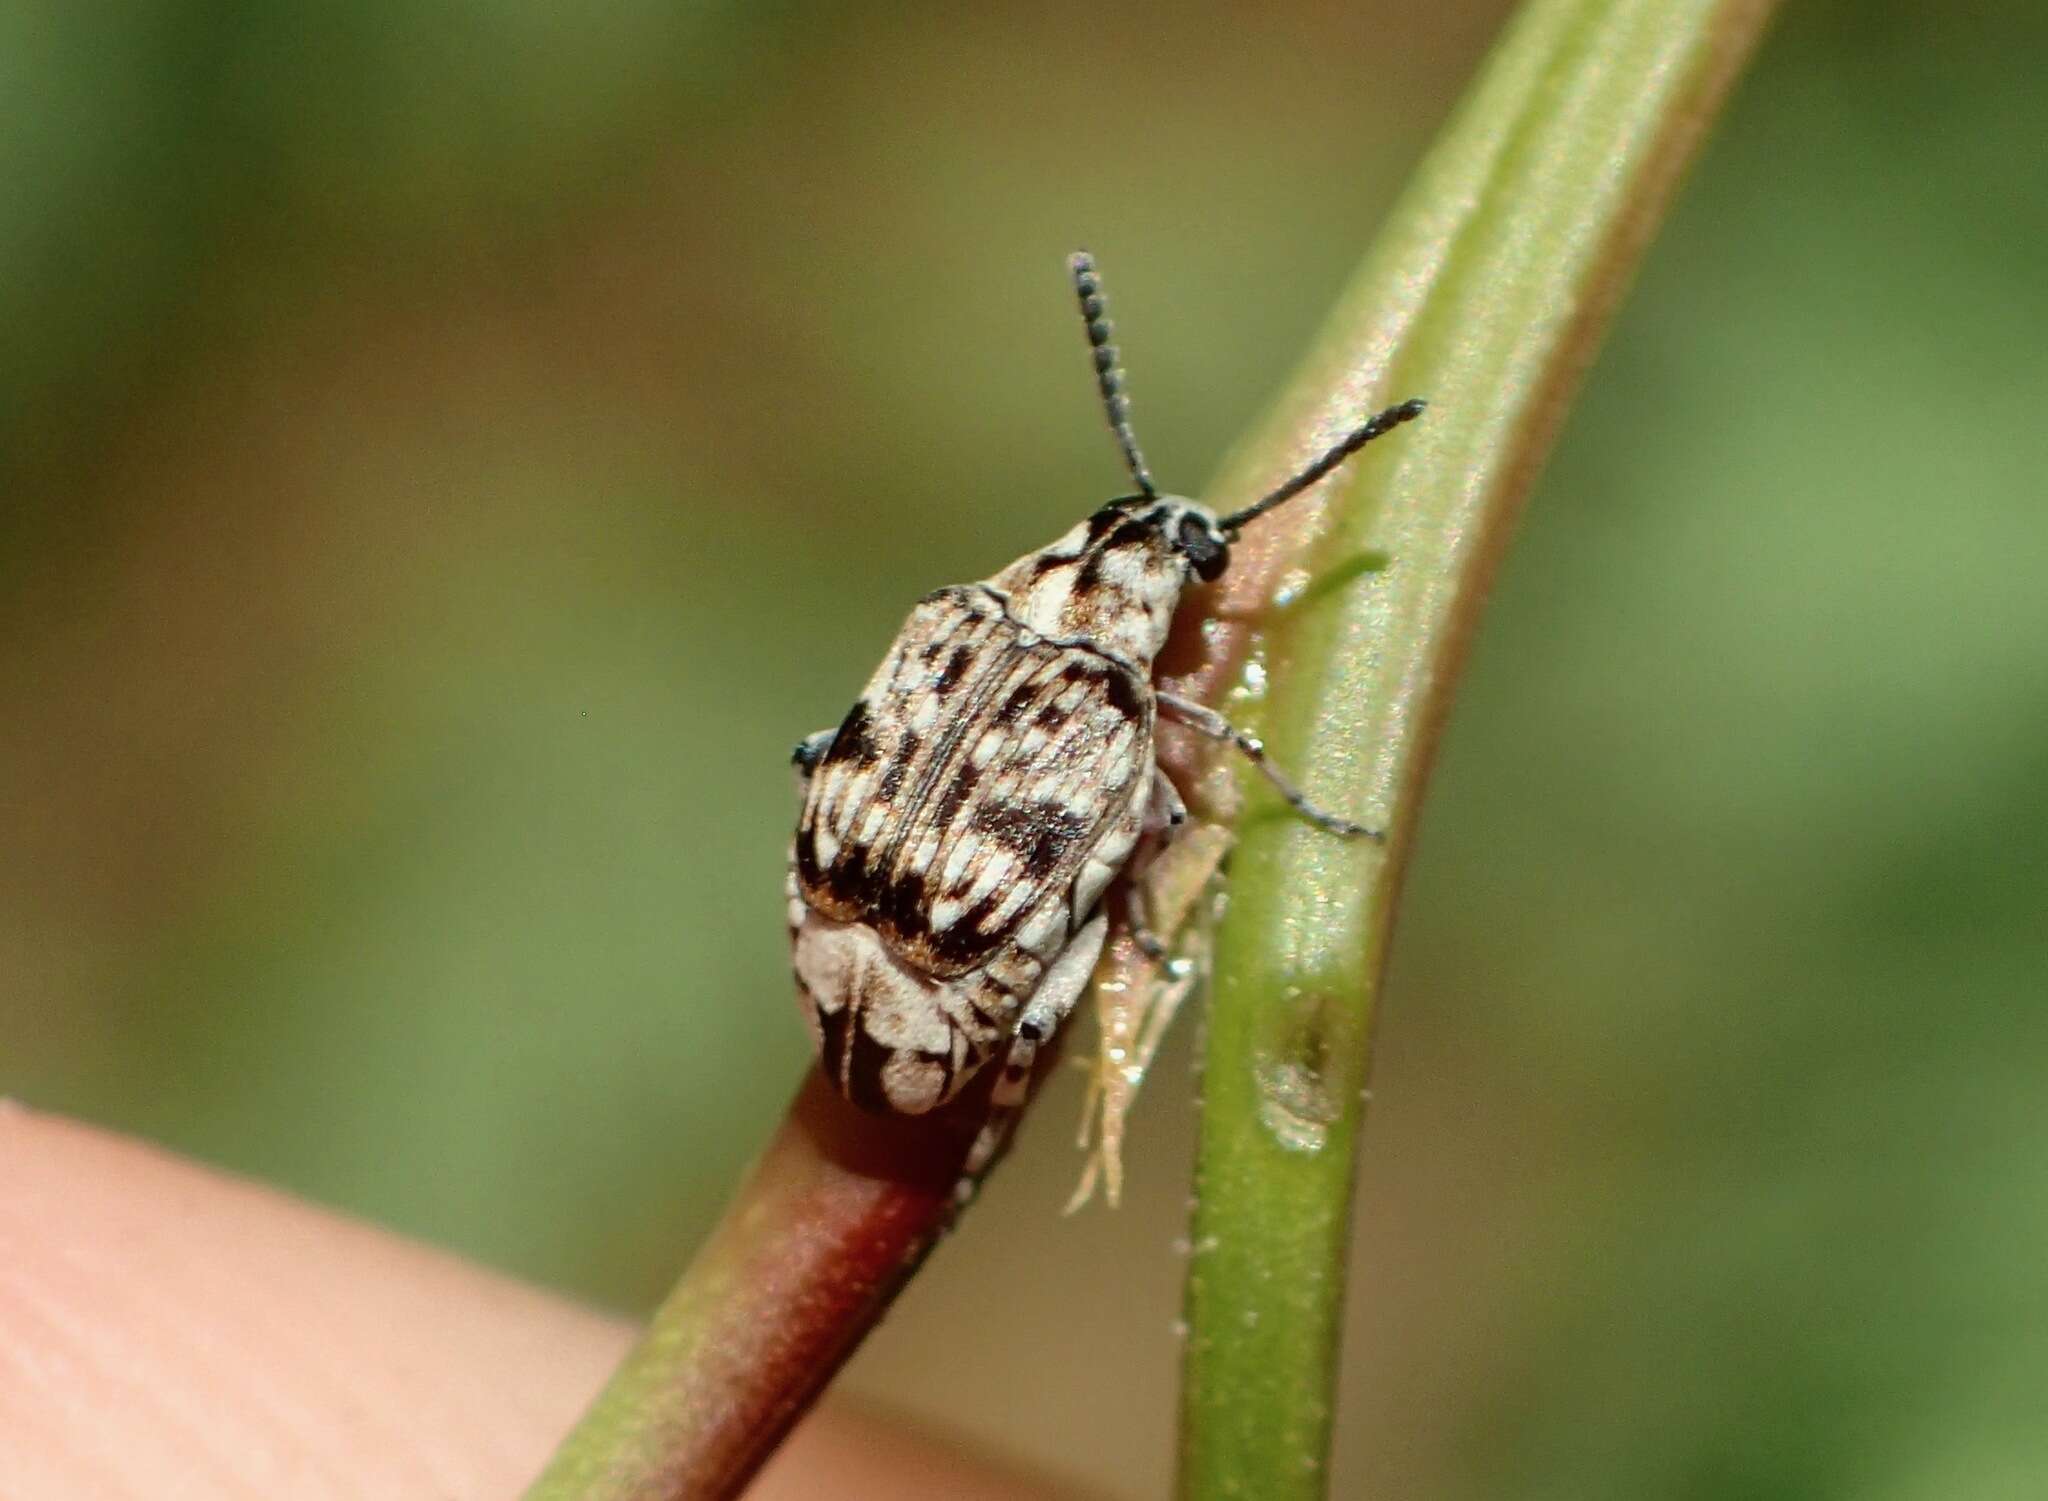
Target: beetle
pixel 961 825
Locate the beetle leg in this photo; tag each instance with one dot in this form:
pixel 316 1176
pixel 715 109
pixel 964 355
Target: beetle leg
pixel 1165 816
pixel 1138 923
pixel 805 758
pixel 809 752
pixel 1050 1004
pixel 1165 811
pixel 1206 721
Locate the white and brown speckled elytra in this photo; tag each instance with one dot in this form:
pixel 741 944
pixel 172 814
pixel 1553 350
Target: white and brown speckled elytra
pixel 961 826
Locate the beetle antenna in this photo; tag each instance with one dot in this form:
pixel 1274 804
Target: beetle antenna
pixel 1109 376
pixel 1339 451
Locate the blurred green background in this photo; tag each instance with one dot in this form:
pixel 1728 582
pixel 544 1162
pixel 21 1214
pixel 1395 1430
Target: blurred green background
pixel 448 454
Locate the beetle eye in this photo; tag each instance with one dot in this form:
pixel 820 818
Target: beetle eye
pixel 1206 552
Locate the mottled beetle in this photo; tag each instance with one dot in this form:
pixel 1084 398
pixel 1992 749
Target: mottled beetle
pixel 962 824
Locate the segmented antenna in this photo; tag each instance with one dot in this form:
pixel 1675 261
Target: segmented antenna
pixel 1343 449
pixel 1109 377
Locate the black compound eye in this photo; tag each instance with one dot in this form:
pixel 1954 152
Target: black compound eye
pixel 1206 552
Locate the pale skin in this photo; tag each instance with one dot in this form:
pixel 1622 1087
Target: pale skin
pixel 169 1330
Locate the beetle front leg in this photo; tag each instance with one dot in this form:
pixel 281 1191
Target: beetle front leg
pixel 1206 721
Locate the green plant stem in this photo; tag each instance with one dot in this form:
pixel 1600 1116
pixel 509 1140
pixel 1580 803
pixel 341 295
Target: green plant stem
pixel 1486 294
